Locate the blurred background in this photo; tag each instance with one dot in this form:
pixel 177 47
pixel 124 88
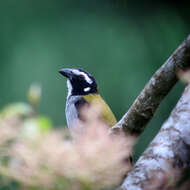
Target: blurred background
pixel 121 42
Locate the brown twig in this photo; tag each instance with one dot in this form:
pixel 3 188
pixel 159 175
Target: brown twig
pixel 145 105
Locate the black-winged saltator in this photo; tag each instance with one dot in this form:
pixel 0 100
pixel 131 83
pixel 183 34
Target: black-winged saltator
pixel 82 90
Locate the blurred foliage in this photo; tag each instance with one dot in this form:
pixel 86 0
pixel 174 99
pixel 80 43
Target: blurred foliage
pixel 34 156
pixel 121 42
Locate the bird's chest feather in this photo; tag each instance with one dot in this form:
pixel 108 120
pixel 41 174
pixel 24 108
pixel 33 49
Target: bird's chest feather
pixel 75 103
pixel 71 111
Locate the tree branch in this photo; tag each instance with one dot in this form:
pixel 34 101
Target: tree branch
pixel 170 148
pixel 145 105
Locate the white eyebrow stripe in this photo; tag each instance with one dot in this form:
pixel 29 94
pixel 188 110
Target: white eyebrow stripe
pixel 77 72
pixel 86 89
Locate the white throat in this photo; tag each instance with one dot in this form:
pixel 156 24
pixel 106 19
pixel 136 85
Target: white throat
pixel 70 88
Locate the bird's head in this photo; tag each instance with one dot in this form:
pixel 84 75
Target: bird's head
pixel 79 82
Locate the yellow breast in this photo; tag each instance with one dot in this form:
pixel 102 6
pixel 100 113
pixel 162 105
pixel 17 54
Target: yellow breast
pixel 105 111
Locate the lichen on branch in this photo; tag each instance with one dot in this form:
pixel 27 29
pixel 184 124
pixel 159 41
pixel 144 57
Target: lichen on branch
pixel 169 151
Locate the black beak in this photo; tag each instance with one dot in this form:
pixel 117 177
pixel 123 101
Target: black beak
pixel 66 72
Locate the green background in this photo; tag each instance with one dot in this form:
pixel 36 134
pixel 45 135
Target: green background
pixel 121 42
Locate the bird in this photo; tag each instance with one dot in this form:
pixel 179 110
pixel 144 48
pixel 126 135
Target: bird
pixel 82 91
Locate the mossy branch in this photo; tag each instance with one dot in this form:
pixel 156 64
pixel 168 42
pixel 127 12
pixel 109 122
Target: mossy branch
pixel 145 105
